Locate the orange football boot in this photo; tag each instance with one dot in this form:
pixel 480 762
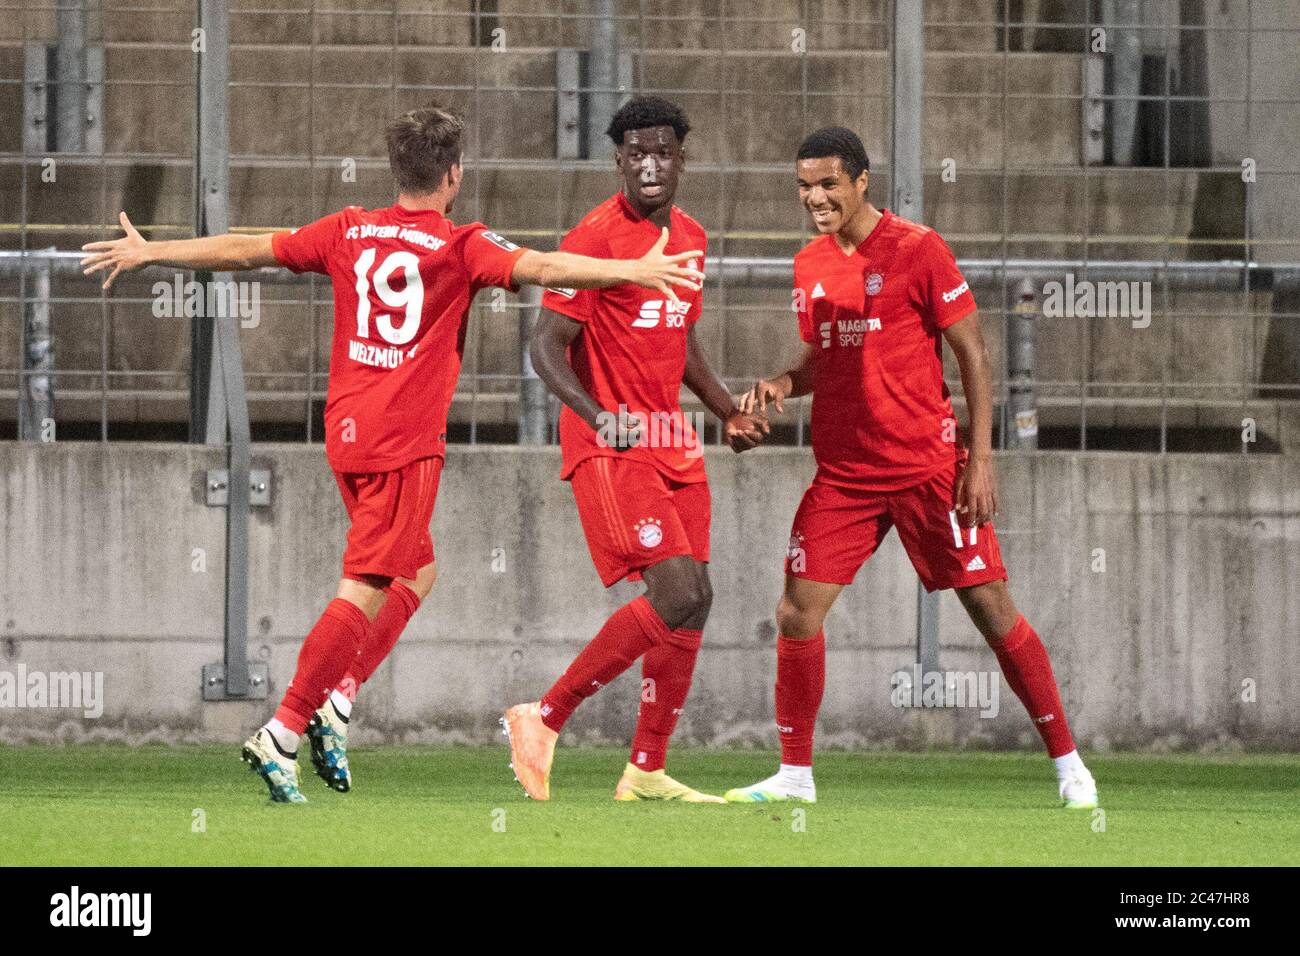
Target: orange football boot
pixel 532 748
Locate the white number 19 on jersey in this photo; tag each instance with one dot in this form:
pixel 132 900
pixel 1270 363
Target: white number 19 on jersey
pixel 410 298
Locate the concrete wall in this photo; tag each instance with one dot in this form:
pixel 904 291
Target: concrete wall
pixel 1201 590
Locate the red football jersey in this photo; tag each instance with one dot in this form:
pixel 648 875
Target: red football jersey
pixel 632 348
pixel 403 283
pixel 881 418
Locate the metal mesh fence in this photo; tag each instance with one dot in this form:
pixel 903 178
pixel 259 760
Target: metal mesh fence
pixel 1072 142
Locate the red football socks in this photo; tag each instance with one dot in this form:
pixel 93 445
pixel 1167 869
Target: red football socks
pixel 800 682
pixel 665 681
pixel 326 655
pixel 1028 671
pixel 401 604
pixel 630 631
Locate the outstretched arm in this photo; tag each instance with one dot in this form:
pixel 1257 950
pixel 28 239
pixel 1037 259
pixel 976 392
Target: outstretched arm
pixel 742 431
pixel 976 492
pixel 654 270
pixel 225 253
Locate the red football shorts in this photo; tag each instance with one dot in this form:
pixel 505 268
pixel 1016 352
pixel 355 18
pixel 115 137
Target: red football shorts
pixel 837 528
pixel 390 513
pixel 634 517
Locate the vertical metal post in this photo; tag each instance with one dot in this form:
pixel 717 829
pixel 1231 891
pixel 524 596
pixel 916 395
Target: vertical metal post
pixel 908 71
pixel 211 192
pixel 60 107
pixel 907 67
pixel 534 428
pixel 1021 313
pixel 70 78
pixel 226 404
pixel 602 74
pixel 1121 19
pixel 35 392
pixel 568 104
pixel 927 629
pixel 237 463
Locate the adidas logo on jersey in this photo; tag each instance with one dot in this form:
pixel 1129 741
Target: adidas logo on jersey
pixel 818 292
pixel 976 564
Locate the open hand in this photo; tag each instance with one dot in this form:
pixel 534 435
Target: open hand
pixel 121 255
pixel 755 401
pixel 654 270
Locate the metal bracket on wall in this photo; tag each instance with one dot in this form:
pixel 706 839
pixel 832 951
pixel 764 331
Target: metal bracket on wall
pixel 579 134
pixel 259 682
pixel 1092 135
pixel 41 132
pixel 217 487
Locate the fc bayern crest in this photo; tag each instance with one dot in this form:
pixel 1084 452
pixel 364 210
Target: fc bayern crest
pixel 649 532
pixel 875 282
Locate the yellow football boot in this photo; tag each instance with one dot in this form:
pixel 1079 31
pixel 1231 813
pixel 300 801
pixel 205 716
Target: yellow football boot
pixel 639 784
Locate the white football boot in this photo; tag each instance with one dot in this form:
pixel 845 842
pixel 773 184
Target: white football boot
pixel 1078 789
pixel 783 785
pixel 278 770
pixel 328 735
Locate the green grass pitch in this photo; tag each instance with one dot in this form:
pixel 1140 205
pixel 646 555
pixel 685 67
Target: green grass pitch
pixel 111 805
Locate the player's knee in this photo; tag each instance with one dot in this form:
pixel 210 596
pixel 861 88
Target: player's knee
pixel 689 603
pixel 795 621
pixel 703 596
pixel 681 600
pixel 990 608
pixel 366 591
pixel 423 582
